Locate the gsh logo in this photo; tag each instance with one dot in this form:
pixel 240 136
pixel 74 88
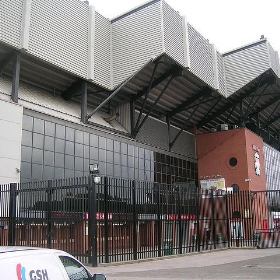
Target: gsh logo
pixel 36 274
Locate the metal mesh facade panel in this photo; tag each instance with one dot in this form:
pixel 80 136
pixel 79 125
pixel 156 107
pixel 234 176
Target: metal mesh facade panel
pixel 155 133
pixel 11 21
pixel 173 34
pixel 272 167
pixel 244 65
pixel 201 56
pixel 221 74
pixel 274 59
pixel 136 39
pixel 102 55
pixel 59 34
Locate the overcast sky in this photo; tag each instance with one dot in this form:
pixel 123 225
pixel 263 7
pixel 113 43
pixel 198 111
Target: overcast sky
pixel 227 24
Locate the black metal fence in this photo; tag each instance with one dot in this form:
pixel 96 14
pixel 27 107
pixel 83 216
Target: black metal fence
pixel 118 220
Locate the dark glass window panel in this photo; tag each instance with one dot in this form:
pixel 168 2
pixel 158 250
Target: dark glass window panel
pixel 147 154
pixel 124 172
pixel 69 162
pixel 136 152
pixel 124 148
pixel 60 131
pixel 27 123
pixel 69 148
pixel 131 161
pixel 102 142
pixel 117 146
pixel 26 153
pixel 93 154
pixel 141 175
pixel 86 151
pixel 79 173
pixel 93 140
pixel 141 163
pixel 59 145
pixel 124 160
pixel 131 150
pixel 79 150
pixel 69 173
pixel 70 134
pixel 38 126
pixel 136 163
pixel 136 174
pixel 37 171
pixel 102 155
pixel 59 160
pixel 38 141
pixel 117 171
pixel 49 143
pixel 110 145
pixel 79 136
pixel 26 138
pixel 48 158
pixel 26 169
pixel 86 165
pixel 86 138
pixel 117 158
pixel 147 165
pixel 102 168
pixel 79 163
pixel 147 176
pixel 37 156
pixel 59 173
pixel 110 169
pixel 141 153
pixel 48 173
pixel 110 156
pixel 131 173
pixel 49 128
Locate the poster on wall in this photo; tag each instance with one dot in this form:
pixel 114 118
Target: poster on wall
pixel 213 184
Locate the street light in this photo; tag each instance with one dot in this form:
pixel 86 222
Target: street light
pixel 94 172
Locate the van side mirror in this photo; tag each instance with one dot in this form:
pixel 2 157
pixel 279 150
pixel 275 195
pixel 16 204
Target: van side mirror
pixel 98 277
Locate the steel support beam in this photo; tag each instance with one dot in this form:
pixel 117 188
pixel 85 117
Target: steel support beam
pixel 137 128
pixel 84 102
pixel 16 72
pixel 204 92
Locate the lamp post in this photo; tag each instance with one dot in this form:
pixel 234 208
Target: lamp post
pixel 94 179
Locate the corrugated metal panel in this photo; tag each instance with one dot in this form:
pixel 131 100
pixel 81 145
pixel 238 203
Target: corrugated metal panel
pixel 102 55
pixel 59 34
pixel 124 115
pixel 155 133
pixel 173 34
pixel 221 74
pixel 11 21
pixel 201 57
pixel 272 167
pixel 274 59
pixel 136 38
pixel 244 65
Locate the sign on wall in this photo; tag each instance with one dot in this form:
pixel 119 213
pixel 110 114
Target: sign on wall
pixel 257 164
pixel 213 184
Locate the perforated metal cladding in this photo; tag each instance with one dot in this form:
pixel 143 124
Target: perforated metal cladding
pixel 11 21
pixel 155 133
pixel 102 54
pixel 244 65
pixel 221 74
pixel 136 39
pixel 59 33
pixel 201 57
pixel 173 34
pixel 272 167
pixel 274 59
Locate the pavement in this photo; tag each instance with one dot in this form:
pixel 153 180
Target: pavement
pixel 215 264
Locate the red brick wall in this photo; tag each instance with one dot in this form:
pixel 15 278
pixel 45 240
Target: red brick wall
pixel 215 149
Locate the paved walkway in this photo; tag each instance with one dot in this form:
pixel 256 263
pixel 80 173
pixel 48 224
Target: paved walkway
pixel 222 264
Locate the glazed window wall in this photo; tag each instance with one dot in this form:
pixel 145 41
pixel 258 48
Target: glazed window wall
pixel 55 151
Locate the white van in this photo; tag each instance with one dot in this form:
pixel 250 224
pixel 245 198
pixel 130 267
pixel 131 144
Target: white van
pixel 28 263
